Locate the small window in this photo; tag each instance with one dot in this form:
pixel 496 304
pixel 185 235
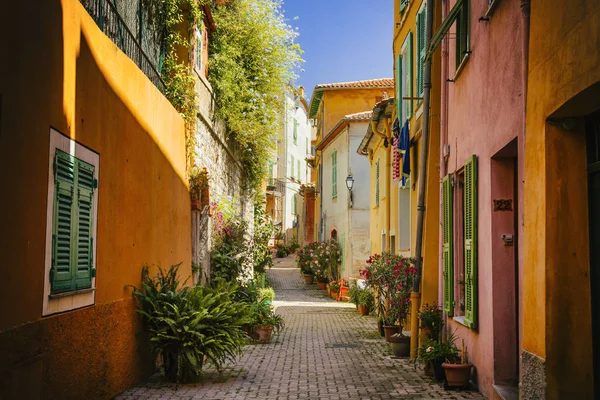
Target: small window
pixel 295 132
pixel 462 33
pixel 199 48
pixel 292 164
pixel 294 205
pixel 334 174
pixel 298 170
pixel 71 219
pixel 393 244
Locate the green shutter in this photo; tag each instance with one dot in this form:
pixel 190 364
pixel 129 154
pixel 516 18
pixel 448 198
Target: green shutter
pixel 409 74
pixel 421 51
pixel 292 175
pixel 399 88
pixel 295 132
pixel 403 4
pixel 377 183
pixel 63 222
pixel 448 244
pixel 84 240
pixel 334 174
pixel 470 222
pixel 298 169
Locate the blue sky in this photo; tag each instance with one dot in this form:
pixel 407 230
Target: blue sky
pixel 343 40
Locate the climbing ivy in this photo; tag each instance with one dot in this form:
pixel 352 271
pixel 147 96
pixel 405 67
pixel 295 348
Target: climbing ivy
pixel 252 60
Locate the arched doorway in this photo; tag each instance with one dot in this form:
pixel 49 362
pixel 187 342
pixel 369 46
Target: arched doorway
pixel 334 235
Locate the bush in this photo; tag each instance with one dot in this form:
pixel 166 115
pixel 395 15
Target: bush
pixel 321 258
pixel 263 230
pixel 187 325
pixel 431 319
pixel 229 252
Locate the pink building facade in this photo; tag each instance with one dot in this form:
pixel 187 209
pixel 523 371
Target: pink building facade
pixel 481 169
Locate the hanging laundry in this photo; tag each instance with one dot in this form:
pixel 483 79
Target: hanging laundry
pixel 404 147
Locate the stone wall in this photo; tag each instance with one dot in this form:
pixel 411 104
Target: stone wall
pixel 221 158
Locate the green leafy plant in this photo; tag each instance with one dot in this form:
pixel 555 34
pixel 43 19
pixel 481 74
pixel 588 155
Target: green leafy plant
pixel 263 230
pixel 334 286
pixel 188 325
pixel 365 298
pixel 444 350
pixel 252 60
pixel 266 294
pixel 263 314
pixel 198 179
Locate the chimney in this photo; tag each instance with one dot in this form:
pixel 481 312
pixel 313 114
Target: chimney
pixel 301 92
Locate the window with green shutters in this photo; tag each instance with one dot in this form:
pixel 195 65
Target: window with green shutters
pixel 298 174
pixel 448 243
pixel 72 223
pixel 462 32
pixel 408 75
pixel 470 241
pixel 292 164
pixel 334 174
pixel 294 205
pixel 295 132
pixel 377 183
pixel 398 80
pixel 421 49
pixel 403 4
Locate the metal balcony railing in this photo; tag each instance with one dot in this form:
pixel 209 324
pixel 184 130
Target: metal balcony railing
pixel 276 185
pixel 112 24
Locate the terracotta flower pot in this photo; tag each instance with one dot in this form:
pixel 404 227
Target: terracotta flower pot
pixel 322 285
pixel 309 279
pixel 363 310
pixel 333 294
pixel 391 330
pixel 263 333
pixel 457 375
pixel 400 345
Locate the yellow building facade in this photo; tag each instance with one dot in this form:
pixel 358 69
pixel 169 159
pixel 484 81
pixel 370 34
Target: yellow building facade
pixel 561 282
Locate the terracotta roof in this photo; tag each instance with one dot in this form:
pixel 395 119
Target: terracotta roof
pixel 357 117
pixel 317 95
pixel 368 84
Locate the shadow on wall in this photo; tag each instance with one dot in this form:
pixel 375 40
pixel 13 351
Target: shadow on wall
pixel 143 215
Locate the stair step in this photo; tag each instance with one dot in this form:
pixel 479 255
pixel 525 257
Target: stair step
pixel 506 392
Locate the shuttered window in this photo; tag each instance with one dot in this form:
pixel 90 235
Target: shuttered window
pixel 408 74
pixel 295 132
pixel 72 242
pixel 399 89
pixel 298 174
pixel 334 174
pixel 403 4
pixel 292 164
pixel 470 240
pixel 448 256
pixel 377 183
pixel 421 50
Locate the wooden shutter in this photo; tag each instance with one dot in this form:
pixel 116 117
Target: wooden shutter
pixel 334 174
pixel 421 51
pixel 448 246
pixel 470 222
pixel 63 223
pixel 377 183
pixel 409 75
pixel 399 89
pixel 403 4
pixel 83 242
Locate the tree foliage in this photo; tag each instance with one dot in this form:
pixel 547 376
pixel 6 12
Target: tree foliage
pixel 253 58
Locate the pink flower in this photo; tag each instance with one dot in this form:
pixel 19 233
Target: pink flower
pixel 429 349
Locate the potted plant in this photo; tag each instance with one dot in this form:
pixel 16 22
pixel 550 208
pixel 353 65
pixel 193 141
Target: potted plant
pixel 400 344
pixel 334 289
pixel 198 181
pixel 264 321
pixel 303 261
pixel 438 352
pixel 365 301
pixel 458 369
pixel 431 321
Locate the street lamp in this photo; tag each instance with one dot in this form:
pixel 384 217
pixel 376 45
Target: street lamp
pixel 350 185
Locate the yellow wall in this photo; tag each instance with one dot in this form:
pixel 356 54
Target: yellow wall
pixel 65 73
pixel 563 61
pixel 430 249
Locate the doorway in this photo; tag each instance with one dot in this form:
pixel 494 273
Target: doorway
pixel 592 130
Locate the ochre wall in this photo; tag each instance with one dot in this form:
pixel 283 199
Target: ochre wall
pixel 563 61
pixel 65 73
pixel 338 103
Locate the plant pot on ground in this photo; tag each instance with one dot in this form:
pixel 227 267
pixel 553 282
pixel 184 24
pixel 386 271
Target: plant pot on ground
pixel 400 345
pixel 457 375
pixel 263 333
pixel 390 330
pixel 264 321
pixel 363 310
pixel 309 279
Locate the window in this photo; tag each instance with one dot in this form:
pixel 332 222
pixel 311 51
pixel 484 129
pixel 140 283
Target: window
pixel 334 174
pixel 294 205
pixel 403 4
pixel 292 164
pixel 462 33
pixel 71 225
pixel 377 183
pixel 295 132
pixel 393 244
pixel 398 82
pixel 407 66
pixel 460 243
pixel 421 49
pixel 298 170
pixel 199 48
pixel 404 216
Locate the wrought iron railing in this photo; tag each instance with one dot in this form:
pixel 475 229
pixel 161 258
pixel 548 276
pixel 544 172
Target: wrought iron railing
pixel 276 185
pixel 110 22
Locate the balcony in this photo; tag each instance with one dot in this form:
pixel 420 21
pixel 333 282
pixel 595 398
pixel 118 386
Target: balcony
pixel 275 187
pixel 112 24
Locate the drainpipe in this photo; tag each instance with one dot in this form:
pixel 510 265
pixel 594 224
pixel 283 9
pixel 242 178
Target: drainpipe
pixel 415 296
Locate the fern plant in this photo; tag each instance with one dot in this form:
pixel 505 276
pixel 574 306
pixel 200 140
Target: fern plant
pixel 188 325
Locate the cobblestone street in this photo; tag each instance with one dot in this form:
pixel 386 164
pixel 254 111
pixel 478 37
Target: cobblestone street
pixel 326 351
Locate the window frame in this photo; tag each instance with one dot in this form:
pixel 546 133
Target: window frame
pixel 199 37
pixel 67 301
pixel 406 77
pixel 334 192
